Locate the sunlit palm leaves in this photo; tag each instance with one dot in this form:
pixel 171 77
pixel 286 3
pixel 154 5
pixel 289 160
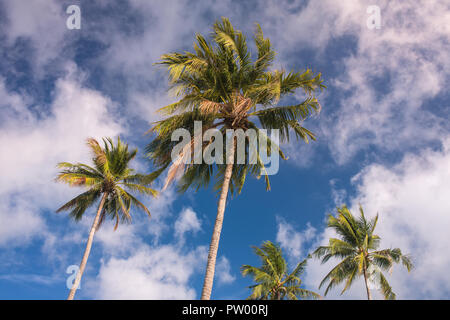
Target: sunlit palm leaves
pixel 222 86
pixel 110 174
pixel 272 279
pixel 357 250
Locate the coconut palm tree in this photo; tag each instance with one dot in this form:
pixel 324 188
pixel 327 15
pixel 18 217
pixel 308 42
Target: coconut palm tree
pixel 221 86
pixel 111 180
pixel 273 281
pixel 357 250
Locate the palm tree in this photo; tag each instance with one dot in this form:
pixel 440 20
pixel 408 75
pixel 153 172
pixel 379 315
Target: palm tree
pixel 108 180
pixel 273 281
pixel 357 249
pixel 221 86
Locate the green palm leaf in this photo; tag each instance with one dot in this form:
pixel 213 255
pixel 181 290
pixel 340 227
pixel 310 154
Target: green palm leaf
pixel 272 279
pixel 357 251
pixel 110 174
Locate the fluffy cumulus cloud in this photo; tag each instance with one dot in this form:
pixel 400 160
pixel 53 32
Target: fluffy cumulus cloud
pixel 294 242
pixel 134 264
pixel 223 274
pixel 161 272
pixel 41 22
pixel 388 82
pixel 20 222
pixel 414 215
pixel 186 222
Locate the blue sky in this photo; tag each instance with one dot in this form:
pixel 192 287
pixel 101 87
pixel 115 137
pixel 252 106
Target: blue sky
pixel 383 141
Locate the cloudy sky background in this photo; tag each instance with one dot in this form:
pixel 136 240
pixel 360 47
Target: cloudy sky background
pixel 383 141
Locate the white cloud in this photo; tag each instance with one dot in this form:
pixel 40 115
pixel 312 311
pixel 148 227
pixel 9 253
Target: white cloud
pixel 20 222
pixel 43 22
pixel 160 209
pixel 122 241
pixel 55 135
pixel 339 195
pixel 414 215
pixel 223 271
pixel 13 105
pixel 136 270
pixel 36 141
pixel 186 222
pixel 389 79
pixel 292 241
pixel 128 237
pixel 151 273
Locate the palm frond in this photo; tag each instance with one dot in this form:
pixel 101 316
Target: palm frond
pixel 78 205
pixel 357 249
pixel 111 171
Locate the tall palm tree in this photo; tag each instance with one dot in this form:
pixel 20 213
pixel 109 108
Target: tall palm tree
pixel 108 180
pixel 221 86
pixel 357 248
pixel 273 281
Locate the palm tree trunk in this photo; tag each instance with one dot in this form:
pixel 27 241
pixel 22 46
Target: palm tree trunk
pixel 214 245
pixel 369 295
pixel 88 249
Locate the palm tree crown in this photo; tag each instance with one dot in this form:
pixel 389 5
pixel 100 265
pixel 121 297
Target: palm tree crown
pixel 273 281
pixel 221 86
pixel 110 175
pixel 357 250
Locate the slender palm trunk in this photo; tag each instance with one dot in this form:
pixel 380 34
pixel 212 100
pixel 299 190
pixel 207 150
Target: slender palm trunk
pixel 369 295
pixel 214 245
pixel 88 248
